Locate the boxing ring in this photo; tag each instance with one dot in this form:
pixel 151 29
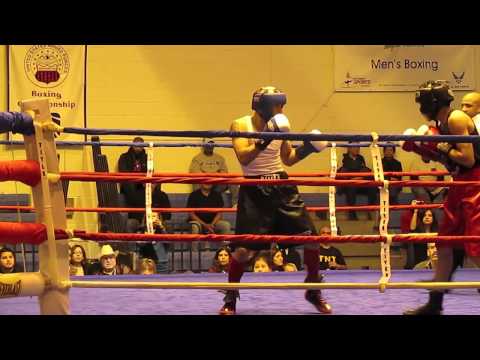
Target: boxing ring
pixel 127 301
pixel 59 294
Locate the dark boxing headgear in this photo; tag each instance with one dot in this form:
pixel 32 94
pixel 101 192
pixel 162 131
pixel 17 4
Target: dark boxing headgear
pixel 265 98
pixel 432 96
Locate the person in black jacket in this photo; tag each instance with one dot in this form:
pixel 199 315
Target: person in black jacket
pixel 391 164
pixel 354 162
pixel 135 160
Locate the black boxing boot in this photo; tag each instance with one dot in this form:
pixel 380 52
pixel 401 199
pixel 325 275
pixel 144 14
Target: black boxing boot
pixel 315 298
pixel 230 300
pixel 432 307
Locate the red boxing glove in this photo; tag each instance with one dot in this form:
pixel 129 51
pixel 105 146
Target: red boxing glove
pixel 26 171
pixel 425 149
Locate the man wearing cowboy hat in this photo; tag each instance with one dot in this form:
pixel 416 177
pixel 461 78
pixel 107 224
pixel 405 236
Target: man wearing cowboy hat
pixel 108 262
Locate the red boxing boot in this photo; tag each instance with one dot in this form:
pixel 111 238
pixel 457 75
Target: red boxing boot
pixel 315 298
pixel 230 306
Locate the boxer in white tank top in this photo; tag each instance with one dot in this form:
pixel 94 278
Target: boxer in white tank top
pixel 275 209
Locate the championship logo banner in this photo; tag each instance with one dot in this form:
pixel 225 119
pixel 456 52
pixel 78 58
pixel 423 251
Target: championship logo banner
pixel 56 72
pixel 402 67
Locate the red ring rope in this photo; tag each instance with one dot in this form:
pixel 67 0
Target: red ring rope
pixel 217 210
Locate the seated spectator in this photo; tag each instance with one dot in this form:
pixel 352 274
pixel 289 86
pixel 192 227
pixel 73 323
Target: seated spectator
pixel 354 162
pixel 207 223
pixel 221 260
pixel 158 252
pixel 147 267
pixel 391 164
pixel 422 221
pixel 330 257
pixel 262 262
pixel 8 261
pixel 135 160
pixel 78 261
pixel 290 267
pixel 293 257
pixel 279 261
pixel 108 263
pixel 210 162
pixel 431 195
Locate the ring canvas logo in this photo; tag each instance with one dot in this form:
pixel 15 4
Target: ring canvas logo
pixel 10 289
pixel 47 66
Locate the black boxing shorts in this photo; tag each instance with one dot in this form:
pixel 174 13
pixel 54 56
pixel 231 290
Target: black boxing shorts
pixel 271 210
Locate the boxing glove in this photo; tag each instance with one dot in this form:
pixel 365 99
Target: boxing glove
pixel 278 123
pixel 310 147
pixel 16 122
pixel 428 150
pixel 425 149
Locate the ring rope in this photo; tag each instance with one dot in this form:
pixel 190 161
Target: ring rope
pixel 170 144
pixel 272 135
pixel 23 208
pixel 105 177
pixel 236 175
pixel 270 286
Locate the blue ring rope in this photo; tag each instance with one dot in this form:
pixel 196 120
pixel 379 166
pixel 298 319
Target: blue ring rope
pixel 273 136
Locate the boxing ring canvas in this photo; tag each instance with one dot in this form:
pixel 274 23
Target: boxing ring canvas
pixel 256 302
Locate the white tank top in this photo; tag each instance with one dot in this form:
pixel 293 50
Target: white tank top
pixel 268 161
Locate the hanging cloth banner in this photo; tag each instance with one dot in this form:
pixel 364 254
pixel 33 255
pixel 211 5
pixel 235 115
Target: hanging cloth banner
pixel 402 67
pixel 56 72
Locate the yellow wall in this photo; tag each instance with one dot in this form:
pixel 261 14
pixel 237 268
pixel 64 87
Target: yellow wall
pixel 205 88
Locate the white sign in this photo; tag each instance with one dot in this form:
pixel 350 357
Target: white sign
pixel 402 67
pixel 56 72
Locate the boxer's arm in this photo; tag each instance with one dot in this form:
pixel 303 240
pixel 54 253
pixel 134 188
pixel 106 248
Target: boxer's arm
pixel 463 154
pixel 245 150
pixel 287 153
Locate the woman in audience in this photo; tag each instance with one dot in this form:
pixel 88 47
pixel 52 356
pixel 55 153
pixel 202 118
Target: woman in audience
pixel 147 267
pixel 262 262
pixel 423 221
pixel 221 260
pixel 78 261
pixel 279 263
pixel 8 262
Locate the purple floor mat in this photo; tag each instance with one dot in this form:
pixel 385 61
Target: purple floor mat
pixel 257 302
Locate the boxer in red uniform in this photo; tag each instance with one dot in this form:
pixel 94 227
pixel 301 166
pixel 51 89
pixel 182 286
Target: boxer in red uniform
pixel 462 206
pixel 269 209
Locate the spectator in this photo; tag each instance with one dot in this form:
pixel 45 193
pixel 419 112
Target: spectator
pixel 354 162
pixel 147 267
pixel 135 160
pixel 207 223
pixel 262 262
pixel 391 164
pixel 422 221
pixel 108 263
pixel 78 261
pixel 430 195
pixel 330 257
pixel 158 251
pixel 221 260
pixel 209 162
pixel 8 261
pixel 290 267
pixel 279 261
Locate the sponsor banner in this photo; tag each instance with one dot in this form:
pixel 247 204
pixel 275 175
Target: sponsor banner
pixel 56 72
pixel 402 67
